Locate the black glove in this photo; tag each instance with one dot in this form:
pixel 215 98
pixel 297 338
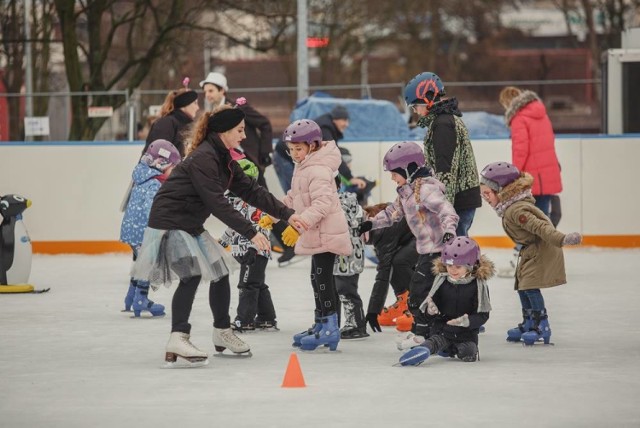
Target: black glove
pixel 372 319
pixel 365 227
pixel 249 257
pixel 447 237
pixel 265 160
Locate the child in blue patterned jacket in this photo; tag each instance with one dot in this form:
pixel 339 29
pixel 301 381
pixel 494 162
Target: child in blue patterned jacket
pixel 151 171
pixel 255 307
pixel 430 216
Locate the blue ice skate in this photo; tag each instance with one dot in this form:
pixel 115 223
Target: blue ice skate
pixel 328 335
pixel 515 334
pixel 540 329
pixel 128 299
pixel 141 301
pixel 415 356
pixel 315 328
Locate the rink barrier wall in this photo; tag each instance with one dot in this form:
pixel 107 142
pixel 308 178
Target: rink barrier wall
pixel 77 188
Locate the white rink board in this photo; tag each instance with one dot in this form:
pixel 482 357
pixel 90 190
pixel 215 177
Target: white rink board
pixel 77 188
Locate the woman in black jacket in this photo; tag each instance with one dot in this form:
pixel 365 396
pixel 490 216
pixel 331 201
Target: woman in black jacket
pixel 176 114
pixel 176 245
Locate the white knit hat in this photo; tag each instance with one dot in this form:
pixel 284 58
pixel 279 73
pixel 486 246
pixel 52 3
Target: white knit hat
pixel 217 79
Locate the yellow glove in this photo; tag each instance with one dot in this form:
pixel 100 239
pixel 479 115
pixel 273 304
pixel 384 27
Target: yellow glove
pixel 290 236
pixel 266 222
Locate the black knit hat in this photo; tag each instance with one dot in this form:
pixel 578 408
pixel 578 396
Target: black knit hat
pixel 339 112
pixel 225 120
pixel 184 99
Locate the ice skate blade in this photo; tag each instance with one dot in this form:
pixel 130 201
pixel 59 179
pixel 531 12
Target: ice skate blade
pixel 354 339
pixel 267 330
pixel 537 343
pixel 184 363
pixel 147 316
pixel 243 355
pixel 320 350
pixel 408 365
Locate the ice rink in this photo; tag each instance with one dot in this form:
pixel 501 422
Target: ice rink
pixel 70 358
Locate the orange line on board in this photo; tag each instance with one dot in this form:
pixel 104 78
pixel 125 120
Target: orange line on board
pixel 102 247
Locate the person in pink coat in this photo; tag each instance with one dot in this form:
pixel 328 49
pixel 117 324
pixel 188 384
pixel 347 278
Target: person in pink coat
pixel 532 143
pixel 314 196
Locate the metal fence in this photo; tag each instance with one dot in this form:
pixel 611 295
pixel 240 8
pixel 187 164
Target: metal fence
pixel 573 105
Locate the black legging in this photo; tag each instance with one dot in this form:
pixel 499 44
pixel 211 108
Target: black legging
pixel 182 303
pixel 419 287
pixel 324 288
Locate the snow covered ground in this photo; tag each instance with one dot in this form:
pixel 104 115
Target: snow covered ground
pixel 70 358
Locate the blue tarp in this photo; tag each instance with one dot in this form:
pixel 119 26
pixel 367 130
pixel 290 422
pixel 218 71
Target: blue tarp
pixel 369 120
pixel 380 120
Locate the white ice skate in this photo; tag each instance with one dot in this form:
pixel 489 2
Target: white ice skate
pixel 225 338
pixel 408 340
pixel 179 345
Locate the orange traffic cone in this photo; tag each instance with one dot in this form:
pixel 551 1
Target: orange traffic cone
pixel 293 376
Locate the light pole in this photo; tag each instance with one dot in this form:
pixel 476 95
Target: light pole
pixel 303 55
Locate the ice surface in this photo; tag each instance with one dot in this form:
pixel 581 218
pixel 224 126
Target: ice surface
pixel 70 358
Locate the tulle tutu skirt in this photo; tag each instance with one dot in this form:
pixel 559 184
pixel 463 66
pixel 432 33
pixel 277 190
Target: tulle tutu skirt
pixel 169 255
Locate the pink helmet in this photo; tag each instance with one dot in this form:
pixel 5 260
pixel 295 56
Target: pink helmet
pixel 162 150
pixel 497 175
pixel 461 251
pixel 302 131
pixel 401 155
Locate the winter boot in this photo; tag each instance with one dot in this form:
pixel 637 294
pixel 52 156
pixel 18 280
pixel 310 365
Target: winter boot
pixel 225 338
pixel 389 314
pixel 404 321
pixel 180 346
pixel 329 335
pixel 128 299
pixel 515 334
pixel 141 301
pixel 316 327
pixel 539 330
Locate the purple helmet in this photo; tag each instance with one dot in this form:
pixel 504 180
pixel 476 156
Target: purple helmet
pixel 303 131
pixel 164 151
pixel 401 155
pixel 497 175
pixel 461 251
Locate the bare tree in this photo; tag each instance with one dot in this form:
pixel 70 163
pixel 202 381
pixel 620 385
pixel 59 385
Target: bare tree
pixel 113 44
pixel 12 51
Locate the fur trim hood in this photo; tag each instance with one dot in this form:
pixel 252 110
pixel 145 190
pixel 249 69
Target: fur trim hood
pixel 518 103
pixel 517 187
pixel 485 270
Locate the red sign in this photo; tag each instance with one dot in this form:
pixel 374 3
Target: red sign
pixel 317 42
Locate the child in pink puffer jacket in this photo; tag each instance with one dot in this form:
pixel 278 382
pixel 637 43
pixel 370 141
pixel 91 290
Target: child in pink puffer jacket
pixel 314 197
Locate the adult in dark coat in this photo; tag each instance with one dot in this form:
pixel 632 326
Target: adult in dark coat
pixel 259 142
pixel 332 125
pixel 176 245
pixel 177 112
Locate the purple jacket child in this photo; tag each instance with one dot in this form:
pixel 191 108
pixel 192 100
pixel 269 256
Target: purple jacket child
pixel 429 215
